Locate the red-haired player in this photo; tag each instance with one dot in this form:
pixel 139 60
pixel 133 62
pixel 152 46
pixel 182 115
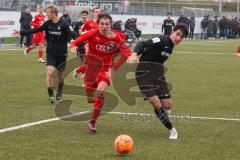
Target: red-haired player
pixel 38 38
pixel 104 45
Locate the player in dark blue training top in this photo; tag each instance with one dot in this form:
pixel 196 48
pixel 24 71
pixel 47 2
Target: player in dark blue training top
pixel 150 72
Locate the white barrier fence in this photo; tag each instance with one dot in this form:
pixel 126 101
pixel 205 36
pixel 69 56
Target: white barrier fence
pixel 148 24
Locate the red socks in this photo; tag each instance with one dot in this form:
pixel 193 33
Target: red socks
pixel 98 103
pixel 40 53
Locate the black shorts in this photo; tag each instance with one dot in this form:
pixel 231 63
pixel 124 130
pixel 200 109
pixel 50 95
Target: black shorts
pixel 152 84
pixel 59 62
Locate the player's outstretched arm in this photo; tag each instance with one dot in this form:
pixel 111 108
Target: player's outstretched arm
pixel 125 54
pixel 80 39
pixel 120 61
pixel 133 59
pixel 34 30
pixel 15 33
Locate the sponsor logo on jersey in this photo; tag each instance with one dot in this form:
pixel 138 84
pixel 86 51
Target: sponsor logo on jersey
pixel 97 38
pixel 58 33
pixel 109 47
pixel 156 40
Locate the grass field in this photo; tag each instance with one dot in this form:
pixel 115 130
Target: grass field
pixel 205 79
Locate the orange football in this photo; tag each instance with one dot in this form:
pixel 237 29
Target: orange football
pixel 123 144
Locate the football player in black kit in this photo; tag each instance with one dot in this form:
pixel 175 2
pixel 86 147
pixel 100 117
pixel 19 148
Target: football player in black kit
pixel 58 34
pixel 168 25
pixel 150 72
pixel 77 31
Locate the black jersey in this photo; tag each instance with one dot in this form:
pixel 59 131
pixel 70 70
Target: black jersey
pixel 167 26
pixel 57 36
pixel 76 27
pixel 157 50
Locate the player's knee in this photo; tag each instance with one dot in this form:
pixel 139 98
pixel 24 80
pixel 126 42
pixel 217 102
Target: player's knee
pixel 99 94
pixel 50 73
pixel 167 104
pixel 156 103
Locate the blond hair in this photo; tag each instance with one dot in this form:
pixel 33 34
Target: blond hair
pixel 53 8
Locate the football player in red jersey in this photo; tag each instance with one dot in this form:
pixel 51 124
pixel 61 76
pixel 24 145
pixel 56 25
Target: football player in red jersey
pixel 88 25
pixel 104 45
pixel 92 24
pixel 38 38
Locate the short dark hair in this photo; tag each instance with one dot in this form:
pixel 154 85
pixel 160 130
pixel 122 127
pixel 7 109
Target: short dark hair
pixel 96 8
pixel 169 13
pixel 84 11
pixel 182 27
pixel 104 16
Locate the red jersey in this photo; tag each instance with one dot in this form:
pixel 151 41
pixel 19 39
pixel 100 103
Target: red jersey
pixel 38 20
pixel 102 47
pixel 88 25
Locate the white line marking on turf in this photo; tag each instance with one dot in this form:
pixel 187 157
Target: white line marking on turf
pixel 208 53
pixel 40 122
pixel 211 41
pixel 11 49
pixel 117 113
pixel 182 116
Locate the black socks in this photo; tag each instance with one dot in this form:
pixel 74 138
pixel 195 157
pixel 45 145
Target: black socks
pixel 60 86
pixel 163 117
pixel 50 91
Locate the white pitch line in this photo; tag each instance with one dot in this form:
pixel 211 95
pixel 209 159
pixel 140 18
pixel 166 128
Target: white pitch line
pixel 211 41
pixel 117 113
pixel 182 116
pixel 40 122
pixel 207 53
pixel 11 49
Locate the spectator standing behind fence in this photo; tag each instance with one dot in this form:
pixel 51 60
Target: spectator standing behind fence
pixel 133 33
pixel 210 28
pixel 168 25
pixel 215 27
pixel 223 27
pixel 25 24
pixel 183 19
pixel 234 28
pixel 238 27
pixel 117 28
pixel 192 24
pixel 204 25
